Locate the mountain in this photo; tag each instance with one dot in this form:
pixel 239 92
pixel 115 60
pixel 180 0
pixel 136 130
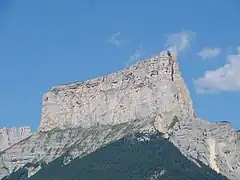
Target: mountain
pixel 82 121
pixel 138 157
pixel 150 87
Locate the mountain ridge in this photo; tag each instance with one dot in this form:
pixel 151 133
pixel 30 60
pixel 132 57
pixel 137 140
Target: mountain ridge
pixel 147 97
pixel 144 156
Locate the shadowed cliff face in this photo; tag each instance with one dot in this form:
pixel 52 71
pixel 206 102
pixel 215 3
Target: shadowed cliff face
pixel 139 157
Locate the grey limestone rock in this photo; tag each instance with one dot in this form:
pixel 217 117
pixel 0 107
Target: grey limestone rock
pixel 212 143
pixel 10 136
pixel 44 147
pixel 150 87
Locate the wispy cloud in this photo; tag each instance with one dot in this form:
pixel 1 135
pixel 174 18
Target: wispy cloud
pixel 238 49
pixel 136 56
pixel 225 78
pixel 209 53
pixel 179 42
pixel 115 39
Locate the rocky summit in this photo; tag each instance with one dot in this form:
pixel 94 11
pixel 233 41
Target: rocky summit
pixel 152 87
pixel 82 121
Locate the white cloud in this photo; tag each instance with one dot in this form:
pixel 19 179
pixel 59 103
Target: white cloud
pixel 115 39
pixel 179 42
pixel 136 56
pixel 209 53
pixel 225 78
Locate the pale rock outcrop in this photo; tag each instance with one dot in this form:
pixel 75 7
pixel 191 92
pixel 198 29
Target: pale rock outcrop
pixel 212 143
pixel 213 154
pixel 10 136
pixel 147 88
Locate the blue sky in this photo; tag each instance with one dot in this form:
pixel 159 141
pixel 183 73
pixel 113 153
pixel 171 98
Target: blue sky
pixel 44 43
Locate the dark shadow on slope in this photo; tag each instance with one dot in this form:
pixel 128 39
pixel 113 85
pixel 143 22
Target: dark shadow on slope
pixel 127 159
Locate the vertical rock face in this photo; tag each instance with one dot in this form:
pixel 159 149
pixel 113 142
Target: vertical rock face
pixel 8 137
pixel 148 88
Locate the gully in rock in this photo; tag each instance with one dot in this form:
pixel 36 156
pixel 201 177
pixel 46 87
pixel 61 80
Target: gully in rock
pixel 171 64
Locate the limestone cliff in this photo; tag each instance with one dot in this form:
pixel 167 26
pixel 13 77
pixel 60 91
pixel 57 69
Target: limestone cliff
pixel 8 137
pixel 151 87
pixel 148 97
pixel 215 144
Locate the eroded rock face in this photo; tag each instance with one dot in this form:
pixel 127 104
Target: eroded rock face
pixel 149 96
pixel 150 87
pixel 8 137
pixel 215 144
pixel 211 143
pixel 44 147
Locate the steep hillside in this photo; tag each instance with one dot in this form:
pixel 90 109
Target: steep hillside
pixel 138 157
